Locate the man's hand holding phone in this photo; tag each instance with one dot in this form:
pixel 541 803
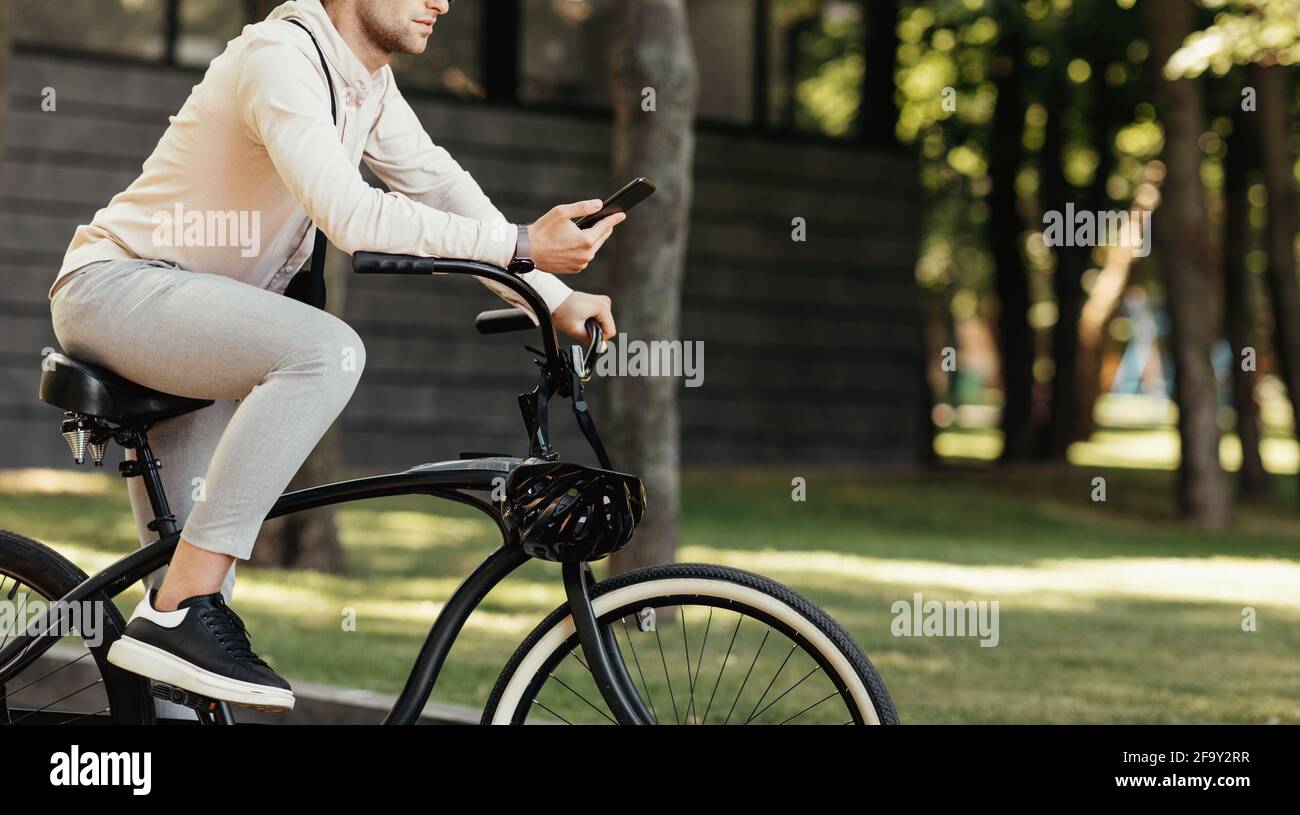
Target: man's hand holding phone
pixel 559 246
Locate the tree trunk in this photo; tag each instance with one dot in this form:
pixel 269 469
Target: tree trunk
pixel 1238 304
pixel 1070 261
pixel 1072 401
pixel 1055 193
pixel 1180 231
pixel 878 113
pixel 1015 339
pixel 652 52
pixel 1273 94
pixel 310 539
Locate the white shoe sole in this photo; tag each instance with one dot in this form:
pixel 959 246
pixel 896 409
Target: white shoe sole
pixel 153 662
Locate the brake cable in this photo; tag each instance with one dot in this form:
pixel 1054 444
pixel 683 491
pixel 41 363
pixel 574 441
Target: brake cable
pixel 580 412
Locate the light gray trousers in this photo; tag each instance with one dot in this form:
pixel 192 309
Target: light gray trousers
pixel 281 372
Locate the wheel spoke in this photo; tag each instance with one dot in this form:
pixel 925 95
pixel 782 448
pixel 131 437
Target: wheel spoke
pixel 552 712
pixel 83 716
pixel 580 696
pixel 690 677
pixel 33 638
pixel 56 670
pixel 787 690
pixel 832 695
pixel 770 684
pixel 60 699
pixel 664 660
pixel 699 663
pixel 649 698
pixel 747 673
pixel 740 618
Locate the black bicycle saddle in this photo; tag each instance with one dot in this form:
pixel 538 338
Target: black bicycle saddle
pixel 94 390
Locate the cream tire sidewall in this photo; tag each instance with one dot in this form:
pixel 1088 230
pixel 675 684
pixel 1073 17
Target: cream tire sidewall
pixel 720 589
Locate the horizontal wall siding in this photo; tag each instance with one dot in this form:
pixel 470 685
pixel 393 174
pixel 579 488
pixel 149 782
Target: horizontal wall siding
pixel 810 349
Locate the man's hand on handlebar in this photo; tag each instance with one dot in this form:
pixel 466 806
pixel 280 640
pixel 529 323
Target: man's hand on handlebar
pixel 560 247
pixel 571 316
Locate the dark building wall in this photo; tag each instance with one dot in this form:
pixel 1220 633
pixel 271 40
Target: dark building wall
pixel 811 350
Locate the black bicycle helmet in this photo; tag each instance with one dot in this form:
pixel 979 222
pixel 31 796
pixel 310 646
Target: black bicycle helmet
pixel 567 512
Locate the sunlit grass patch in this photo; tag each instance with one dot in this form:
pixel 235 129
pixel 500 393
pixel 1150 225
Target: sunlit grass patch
pixel 1110 612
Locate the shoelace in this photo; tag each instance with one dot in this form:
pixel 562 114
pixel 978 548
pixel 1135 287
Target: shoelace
pixel 232 633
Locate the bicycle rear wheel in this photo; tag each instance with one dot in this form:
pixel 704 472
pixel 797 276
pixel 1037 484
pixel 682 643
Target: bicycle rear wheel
pixel 700 644
pixel 72 681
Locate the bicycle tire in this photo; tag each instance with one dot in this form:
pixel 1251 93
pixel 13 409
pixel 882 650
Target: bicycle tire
pixel 553 637
pixel 51 576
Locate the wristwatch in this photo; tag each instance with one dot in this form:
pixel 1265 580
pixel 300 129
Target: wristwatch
pixel 523 259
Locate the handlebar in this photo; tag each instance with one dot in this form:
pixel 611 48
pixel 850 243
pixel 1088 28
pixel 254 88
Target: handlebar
pixel 497 321
pixel 380 263
pixel 559 375
pixel 505 320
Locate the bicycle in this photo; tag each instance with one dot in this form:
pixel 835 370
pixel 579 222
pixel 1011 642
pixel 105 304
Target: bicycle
pixel 572 668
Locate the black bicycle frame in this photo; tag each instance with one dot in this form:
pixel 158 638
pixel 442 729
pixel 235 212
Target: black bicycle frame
pixel 451 480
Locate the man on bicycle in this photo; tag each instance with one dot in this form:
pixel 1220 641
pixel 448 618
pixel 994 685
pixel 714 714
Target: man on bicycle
pixel 268 144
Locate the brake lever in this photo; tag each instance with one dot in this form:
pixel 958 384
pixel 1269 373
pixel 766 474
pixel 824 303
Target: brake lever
pixel 594 350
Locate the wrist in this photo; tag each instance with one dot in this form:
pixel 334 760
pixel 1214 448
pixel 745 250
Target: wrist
pixel 522 261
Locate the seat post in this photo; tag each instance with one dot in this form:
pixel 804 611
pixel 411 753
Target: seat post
pixel 146 466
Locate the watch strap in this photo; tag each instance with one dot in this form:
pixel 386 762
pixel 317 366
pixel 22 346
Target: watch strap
pixel 523 257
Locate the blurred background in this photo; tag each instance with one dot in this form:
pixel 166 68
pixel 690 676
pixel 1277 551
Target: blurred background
pixel 905 388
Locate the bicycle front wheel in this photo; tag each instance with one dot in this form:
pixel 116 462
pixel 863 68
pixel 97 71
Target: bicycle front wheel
pixel 699 644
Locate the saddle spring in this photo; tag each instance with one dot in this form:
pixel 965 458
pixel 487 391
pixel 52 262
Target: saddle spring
pixel 83 433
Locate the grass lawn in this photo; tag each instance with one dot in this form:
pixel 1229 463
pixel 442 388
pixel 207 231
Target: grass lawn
pixel 1109 612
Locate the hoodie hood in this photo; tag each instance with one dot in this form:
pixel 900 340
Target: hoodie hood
pixel 347 68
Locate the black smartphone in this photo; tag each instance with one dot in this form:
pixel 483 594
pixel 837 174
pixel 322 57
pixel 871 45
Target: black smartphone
pixel 636 191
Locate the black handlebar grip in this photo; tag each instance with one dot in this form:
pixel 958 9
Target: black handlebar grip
pixel 503 320
pixel 379 263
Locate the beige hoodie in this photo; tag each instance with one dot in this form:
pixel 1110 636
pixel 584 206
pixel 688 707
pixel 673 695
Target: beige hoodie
pixel 252 160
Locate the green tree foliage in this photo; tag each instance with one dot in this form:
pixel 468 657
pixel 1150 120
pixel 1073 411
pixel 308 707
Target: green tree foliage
pixel 947 97
pixel 1243 31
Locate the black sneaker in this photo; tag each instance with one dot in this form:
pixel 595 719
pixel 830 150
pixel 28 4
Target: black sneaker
pixel 202 647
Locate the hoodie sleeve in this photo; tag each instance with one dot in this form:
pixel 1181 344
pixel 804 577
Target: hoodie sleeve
pixel 283 105
pixel 401 153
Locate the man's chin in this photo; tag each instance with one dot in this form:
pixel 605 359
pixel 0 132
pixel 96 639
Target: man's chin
pixel 416 45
